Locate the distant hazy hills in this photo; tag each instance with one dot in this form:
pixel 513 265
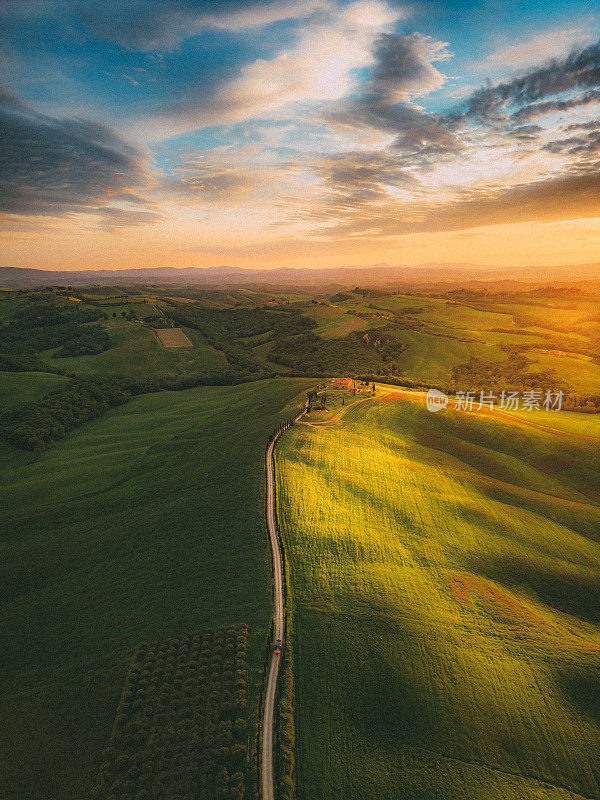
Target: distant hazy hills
pixel 379 275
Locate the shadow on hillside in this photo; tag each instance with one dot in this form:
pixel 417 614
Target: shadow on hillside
pixel 568 592
pixel 582 689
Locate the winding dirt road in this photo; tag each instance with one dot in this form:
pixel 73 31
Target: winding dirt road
pixel 269 709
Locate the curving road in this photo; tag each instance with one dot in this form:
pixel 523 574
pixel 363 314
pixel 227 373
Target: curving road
pixel 268 792
pixel 267 741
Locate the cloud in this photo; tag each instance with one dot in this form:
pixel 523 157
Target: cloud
pixel 318 68
pixel 536 110
pixel 571 196
pixel 223 185
pixel 584 146
pixel 363 168
pixel 404 66
pixel 526 133
pixel 592 124
pixel 54 167
pixel 580 69
pixel 362 194
pixel 539 46
pixel 144 25
pixel 162 25
pixel 111 217
pixel 354 185
pixel 402 70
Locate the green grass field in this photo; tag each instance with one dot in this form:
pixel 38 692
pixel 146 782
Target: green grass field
pixel 501 324
pixel 20 388
pixel 145 524
pixel 489 337
pixel 431 358
pixel 333 321
pixel 580 372
pixel 555 313
pixel 568 421
pixel 137 353
pixel 443 312
pixel 445 586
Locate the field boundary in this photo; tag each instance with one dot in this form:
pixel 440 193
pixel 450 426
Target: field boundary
pixel 173 337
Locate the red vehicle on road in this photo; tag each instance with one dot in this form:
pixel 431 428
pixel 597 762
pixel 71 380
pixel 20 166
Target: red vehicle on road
pixel 278 646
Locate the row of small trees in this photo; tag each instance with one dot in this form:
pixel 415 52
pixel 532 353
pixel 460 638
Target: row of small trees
pixel 286 727
pixel 180 728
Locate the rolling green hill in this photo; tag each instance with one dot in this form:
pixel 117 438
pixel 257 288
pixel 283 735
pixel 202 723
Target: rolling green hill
pixel 570 422
pixel 577 371
pixel 145 524
pixel 488 326
pixel 445 582
pixel 137 353
pixel 333 321
pixel 19 388
pixel 431 358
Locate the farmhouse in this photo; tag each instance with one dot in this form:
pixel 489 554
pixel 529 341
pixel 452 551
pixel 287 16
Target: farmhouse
pixel 342 383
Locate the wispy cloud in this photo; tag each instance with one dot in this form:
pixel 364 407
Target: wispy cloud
pixel 370 214
pixel 535 48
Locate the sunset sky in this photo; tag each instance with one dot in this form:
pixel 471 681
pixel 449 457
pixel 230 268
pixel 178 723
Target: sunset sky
pixel 298 133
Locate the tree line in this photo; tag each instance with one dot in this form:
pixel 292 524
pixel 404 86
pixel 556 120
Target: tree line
pixel 39 425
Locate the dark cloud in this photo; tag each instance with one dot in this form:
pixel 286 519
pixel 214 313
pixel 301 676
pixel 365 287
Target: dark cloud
pixel 403 68
pixel 162 24
pixel 590 125
pixel 581 69
pixel 525 133
pixel 54 167
pixel 537 110
pixel 584 146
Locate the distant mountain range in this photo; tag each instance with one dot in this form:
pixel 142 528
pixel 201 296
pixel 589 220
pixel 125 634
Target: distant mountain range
pixel 377 276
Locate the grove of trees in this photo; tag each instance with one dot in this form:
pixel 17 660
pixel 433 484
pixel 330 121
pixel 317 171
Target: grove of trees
pixel 44 322
pixel 180 731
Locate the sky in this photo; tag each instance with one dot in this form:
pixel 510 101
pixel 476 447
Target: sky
pixel 315 133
